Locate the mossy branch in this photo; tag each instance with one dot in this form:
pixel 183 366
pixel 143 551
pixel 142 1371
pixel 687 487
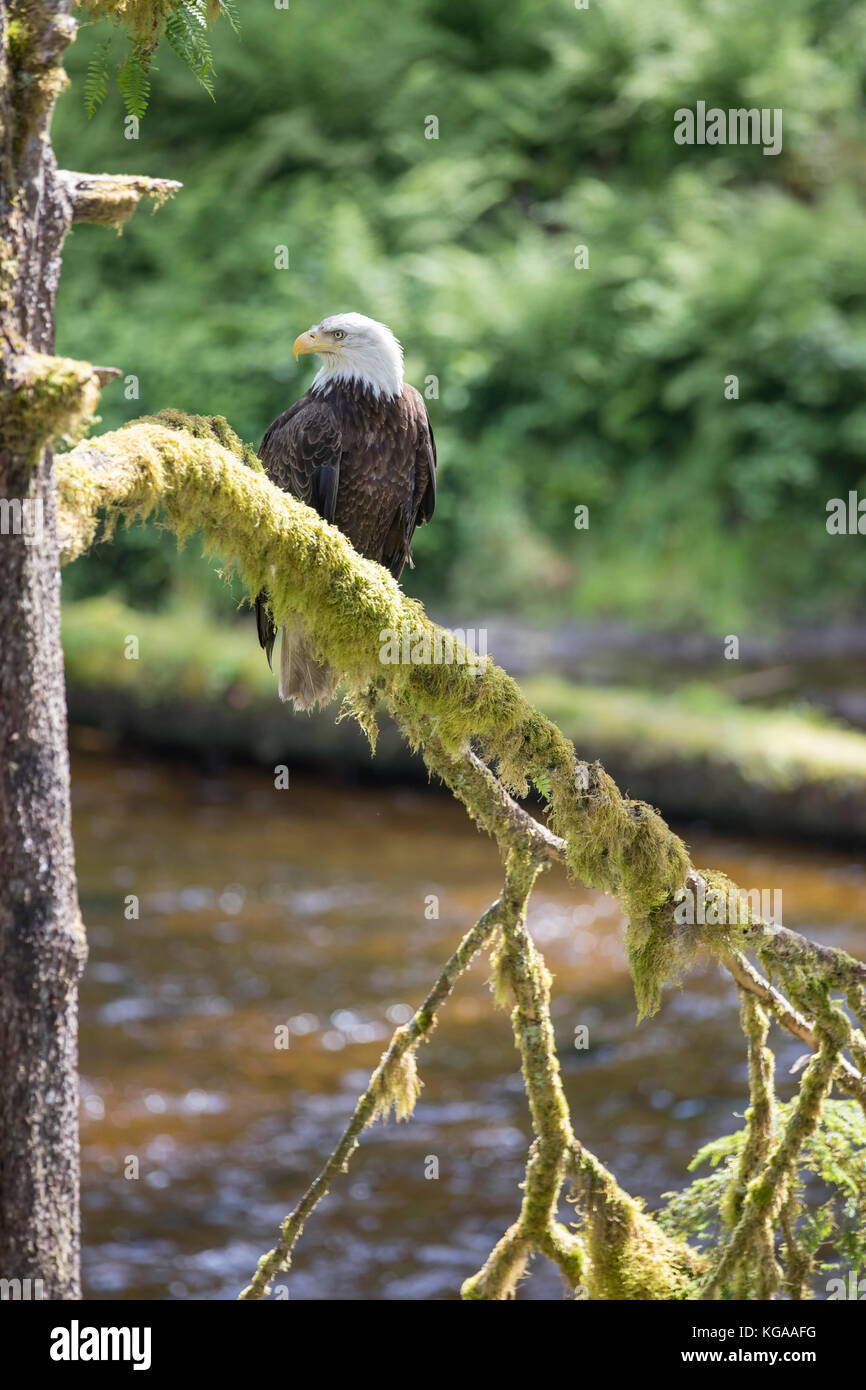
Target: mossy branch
pixel 517 963
pixel 748 1260
pixel 490 806
pixel 848 1077
pixel 620 1252
pixel 757 1266
pixel 111 199
pixel 201 477
pixel 629 1256
pixel 312 573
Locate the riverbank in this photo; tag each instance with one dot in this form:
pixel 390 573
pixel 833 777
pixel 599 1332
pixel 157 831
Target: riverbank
pixel 181 683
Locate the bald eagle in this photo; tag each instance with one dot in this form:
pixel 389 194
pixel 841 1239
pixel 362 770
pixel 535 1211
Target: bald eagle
pixel 359 448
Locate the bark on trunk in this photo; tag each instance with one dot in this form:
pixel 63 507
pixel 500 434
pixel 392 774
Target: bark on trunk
pixel 42 945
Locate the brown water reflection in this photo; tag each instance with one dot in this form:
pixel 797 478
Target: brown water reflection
pixel 260 906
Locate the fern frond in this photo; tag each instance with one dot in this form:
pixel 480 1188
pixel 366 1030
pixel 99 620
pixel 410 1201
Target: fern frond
pixel 199 10
pixel 134 83
pixel 229 9
pixel 187 40
pixel 183 23
pixel 96 79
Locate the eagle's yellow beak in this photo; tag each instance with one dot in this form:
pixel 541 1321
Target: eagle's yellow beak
pixel 307 342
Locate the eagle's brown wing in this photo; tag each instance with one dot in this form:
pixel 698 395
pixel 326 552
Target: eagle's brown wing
pixel 420 505
pixel 301 453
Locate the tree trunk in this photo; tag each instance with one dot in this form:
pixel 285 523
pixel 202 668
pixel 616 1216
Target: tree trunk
pixel 42 946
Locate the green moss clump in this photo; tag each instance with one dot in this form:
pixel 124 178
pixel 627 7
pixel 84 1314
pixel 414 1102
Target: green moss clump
pixel 629 1255
pixel 661 950
pixel 214 427
pixel 18 39
pixel 762 1194
pixel 54 397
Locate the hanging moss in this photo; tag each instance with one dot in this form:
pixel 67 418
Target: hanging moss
pixel 396 1088
pixel 629 1256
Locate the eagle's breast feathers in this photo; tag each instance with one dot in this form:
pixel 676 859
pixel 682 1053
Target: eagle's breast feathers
pixel 368 465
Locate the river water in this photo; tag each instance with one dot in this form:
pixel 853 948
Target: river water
pixel 312 907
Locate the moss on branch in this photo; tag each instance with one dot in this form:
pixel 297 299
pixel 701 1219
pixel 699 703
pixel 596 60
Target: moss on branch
pixel 111 199
pixel 45 397
pixel 629 1255
pixel 748 1264
pixel 201 477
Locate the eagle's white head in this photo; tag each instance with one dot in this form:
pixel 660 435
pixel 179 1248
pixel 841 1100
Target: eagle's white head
pixel 354 348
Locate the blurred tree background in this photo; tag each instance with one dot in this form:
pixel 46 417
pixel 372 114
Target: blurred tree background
pixel 557 386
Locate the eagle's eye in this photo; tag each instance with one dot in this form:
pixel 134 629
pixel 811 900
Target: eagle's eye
pixel 338 333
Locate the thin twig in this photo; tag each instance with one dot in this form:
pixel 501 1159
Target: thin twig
pixel 374 1101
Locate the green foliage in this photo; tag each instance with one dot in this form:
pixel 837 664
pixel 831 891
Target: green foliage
pixel 556 386
pixel 542 782
pixel 829 1231
pixel 230 10
pixel 184 25
pixel 133 83
pixel 187 37
pixel 96 81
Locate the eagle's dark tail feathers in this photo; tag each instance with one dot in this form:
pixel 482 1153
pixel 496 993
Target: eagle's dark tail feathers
pixel 265 625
